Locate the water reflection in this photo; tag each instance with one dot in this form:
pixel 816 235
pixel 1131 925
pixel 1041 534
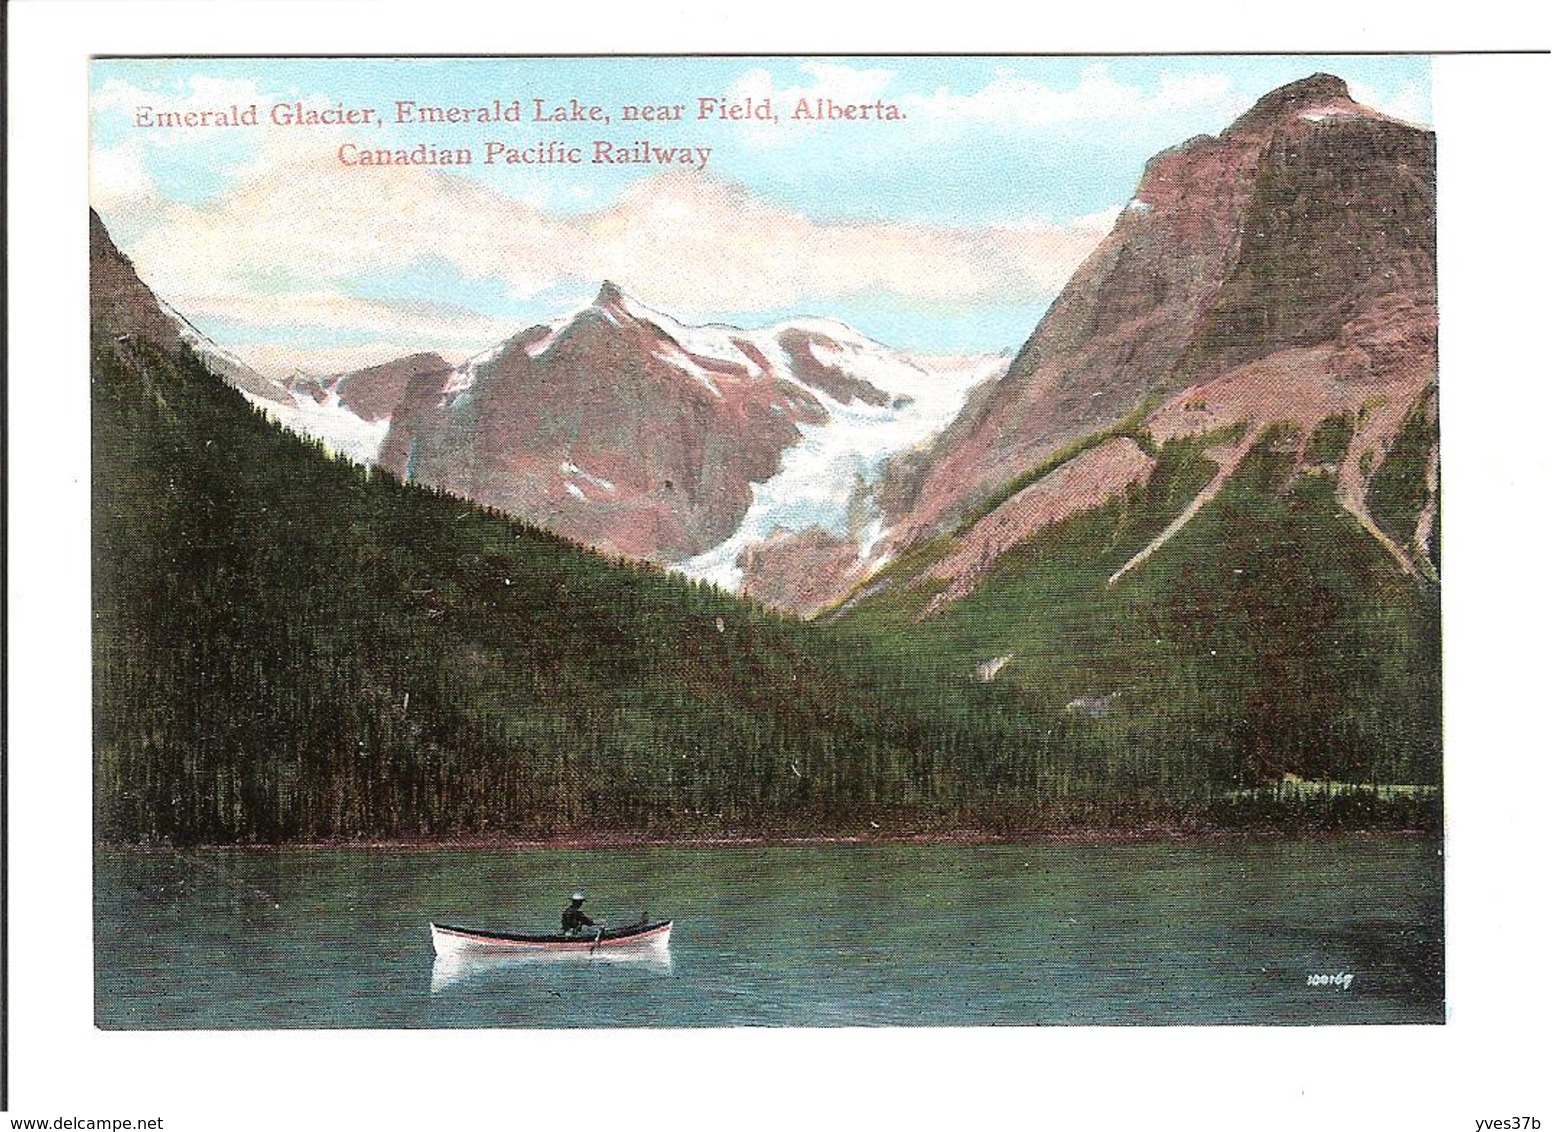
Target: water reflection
pixel 1221 932
pixel 448 971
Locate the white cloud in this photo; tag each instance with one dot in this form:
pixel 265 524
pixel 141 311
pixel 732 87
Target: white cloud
pixel 1013 100
pixel 194 92
pixel 836 81
pixel 1008 100
pixel 1184 92
pixel 118 178
pixel 281 359
pixel 332 310
pixel 694 245
pixel 833 80
pixel 295 213
pixel 268 326
pixel 297 232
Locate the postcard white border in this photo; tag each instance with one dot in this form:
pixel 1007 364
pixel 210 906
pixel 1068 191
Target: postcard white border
pixel 1490 116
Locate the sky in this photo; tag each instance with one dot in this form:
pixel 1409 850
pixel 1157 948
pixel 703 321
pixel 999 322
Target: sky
pixel 946 228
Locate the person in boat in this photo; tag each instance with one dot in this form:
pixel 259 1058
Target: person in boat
pixel 573 919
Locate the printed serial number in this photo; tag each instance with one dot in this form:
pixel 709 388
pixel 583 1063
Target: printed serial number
pixel 1342 980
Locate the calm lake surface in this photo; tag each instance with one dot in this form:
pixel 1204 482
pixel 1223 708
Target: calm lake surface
pixel 840 935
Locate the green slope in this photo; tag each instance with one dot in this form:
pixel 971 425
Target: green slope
pixel 1398 490
pixel 289 648
pixel 1271 636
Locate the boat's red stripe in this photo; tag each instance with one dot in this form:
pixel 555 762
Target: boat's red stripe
pixel 631 938
pixel 568 945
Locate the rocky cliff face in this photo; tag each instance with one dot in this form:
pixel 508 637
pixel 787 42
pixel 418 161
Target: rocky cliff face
pixel 1283 271
pixel 372 393
pixel 691 446
pixel 605 428
pixel 1308 221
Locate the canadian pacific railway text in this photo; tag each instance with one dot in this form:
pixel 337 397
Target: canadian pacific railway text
pixel 552 152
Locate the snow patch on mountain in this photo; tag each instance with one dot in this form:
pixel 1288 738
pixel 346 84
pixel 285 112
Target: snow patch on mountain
pixel 571 469
pixel 540 347
pixel 829 479
pixel 460 380
pixel 856 404
pixel 714 342
pixel 329 421
pixel 1321 113
pixel 683 362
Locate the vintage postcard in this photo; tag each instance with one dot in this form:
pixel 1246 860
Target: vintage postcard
pixel 765 541
pixel 706 544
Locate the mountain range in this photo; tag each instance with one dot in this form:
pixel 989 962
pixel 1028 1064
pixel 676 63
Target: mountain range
pixel 290 646
pixel 1280 272
pixel 715 450
pixel 1185 541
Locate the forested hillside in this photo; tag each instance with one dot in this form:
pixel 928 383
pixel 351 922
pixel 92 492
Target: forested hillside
pixel 1271 636
pixel 290 648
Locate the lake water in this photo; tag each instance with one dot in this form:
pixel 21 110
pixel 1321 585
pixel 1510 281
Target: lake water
pixel 1335 930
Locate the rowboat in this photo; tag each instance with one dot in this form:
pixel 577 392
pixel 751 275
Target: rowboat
pixel 642 940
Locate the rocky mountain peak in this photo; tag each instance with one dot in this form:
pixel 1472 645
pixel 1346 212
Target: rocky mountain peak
pixel 1314 92
pixel 614 303
pixel 1306 223
pixel 614 314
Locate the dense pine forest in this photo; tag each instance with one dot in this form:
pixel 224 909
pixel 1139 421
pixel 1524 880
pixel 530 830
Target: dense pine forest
pixel 288 647
pixel 1270 641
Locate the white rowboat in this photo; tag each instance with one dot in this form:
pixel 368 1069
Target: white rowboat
pixel 644 940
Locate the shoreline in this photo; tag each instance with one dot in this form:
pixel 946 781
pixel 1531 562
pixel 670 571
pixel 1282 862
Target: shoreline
pixel 613 842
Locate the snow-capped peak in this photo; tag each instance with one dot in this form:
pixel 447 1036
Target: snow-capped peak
pixel 712 342
pixel 711 352
pixel 846 405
